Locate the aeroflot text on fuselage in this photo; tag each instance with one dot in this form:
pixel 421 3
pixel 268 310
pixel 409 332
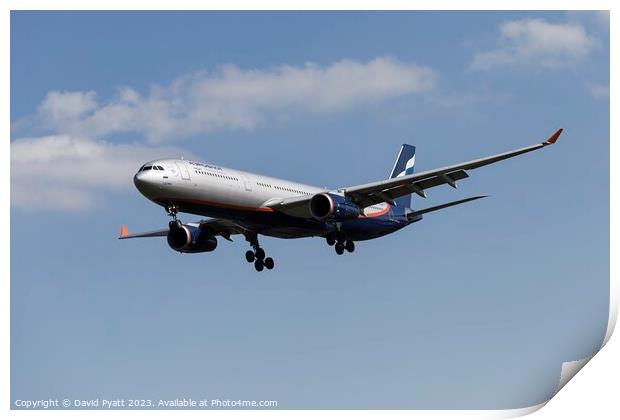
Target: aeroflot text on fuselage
pixel 205 165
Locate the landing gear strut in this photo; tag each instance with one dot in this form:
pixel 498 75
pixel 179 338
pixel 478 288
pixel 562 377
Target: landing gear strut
pixel 172 211
pixel 257 256
pixel 339 241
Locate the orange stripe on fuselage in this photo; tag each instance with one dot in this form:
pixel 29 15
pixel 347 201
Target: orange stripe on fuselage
pixel 221 205
pixel 262 209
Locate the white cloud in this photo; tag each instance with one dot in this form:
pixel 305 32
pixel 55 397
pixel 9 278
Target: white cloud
pixel 61 172
pixel 597 20
pixel 72 168
pixel 598 90
pixel 61 106
pixel 536 42
pixel 234 98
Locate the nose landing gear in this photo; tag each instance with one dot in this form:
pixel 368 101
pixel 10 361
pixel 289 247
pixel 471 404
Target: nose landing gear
pixel 172 211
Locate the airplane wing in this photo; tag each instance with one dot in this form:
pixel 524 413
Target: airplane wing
pixel 386 191
pixel 297 206
pixel 221 227
pixel 126 235
pixel 378 192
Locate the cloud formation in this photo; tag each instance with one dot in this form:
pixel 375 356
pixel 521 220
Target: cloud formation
pixel 233 98
pixel 537 43
pixel 62 172
pixel 73 167
pixel 598 90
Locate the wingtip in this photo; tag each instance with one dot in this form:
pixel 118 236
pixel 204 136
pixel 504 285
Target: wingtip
pixel 553 138
pixel 124 231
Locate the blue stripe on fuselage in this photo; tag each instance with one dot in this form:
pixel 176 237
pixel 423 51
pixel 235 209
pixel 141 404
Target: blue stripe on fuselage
pixel 280 225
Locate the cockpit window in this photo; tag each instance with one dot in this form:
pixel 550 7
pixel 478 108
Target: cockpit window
pixel 154 167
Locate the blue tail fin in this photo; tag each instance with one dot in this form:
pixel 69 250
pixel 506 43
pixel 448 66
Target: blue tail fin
pixel 404 166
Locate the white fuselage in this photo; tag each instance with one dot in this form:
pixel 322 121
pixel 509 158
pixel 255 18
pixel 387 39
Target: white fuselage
pixel 212 186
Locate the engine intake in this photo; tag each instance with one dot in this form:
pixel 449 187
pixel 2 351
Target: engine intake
pixel 325 206
pixel 190 239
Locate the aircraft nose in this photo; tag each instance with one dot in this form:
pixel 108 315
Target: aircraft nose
pixel 138 180
pixel 143 182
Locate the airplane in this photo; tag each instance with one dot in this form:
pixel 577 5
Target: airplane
pixel 243 203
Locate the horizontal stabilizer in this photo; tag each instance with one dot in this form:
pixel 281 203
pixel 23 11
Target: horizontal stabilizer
pixel 414 214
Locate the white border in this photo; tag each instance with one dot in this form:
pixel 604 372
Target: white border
pixel 600 383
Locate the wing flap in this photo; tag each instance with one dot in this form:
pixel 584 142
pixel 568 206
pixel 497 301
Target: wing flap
pixel 368 194
pixel 408 187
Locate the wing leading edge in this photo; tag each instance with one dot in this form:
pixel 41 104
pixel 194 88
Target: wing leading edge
pixel 378 192
pixel 221 227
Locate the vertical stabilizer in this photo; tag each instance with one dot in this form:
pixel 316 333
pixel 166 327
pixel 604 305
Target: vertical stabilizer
pixel 404 165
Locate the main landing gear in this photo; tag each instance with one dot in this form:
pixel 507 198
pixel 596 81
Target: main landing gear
pixel 257 255
pixel 339 241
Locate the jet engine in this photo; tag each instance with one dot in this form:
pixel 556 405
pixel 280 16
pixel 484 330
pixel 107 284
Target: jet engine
pixel 325 206
pixel 190 239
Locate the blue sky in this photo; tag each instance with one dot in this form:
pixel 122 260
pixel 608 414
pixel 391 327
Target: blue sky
pixel 475 307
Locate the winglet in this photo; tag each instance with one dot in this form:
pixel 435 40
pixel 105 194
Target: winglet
pixel 553 138
pixel 124 231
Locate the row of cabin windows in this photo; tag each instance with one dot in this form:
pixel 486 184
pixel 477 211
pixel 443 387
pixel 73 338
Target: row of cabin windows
pixel 232 178
pixel 277 187
pixel 154 167
pixel 262 184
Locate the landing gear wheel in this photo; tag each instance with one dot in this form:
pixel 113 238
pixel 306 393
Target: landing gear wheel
pixel 269 263
pixel 260 254
pixel 331 240
pixel 339 248
pixel 259 265
pixel 175 224
pixel 350 246
pixel 249 256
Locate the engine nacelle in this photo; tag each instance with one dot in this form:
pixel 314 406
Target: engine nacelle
pixel 325 206
pixel 190 239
